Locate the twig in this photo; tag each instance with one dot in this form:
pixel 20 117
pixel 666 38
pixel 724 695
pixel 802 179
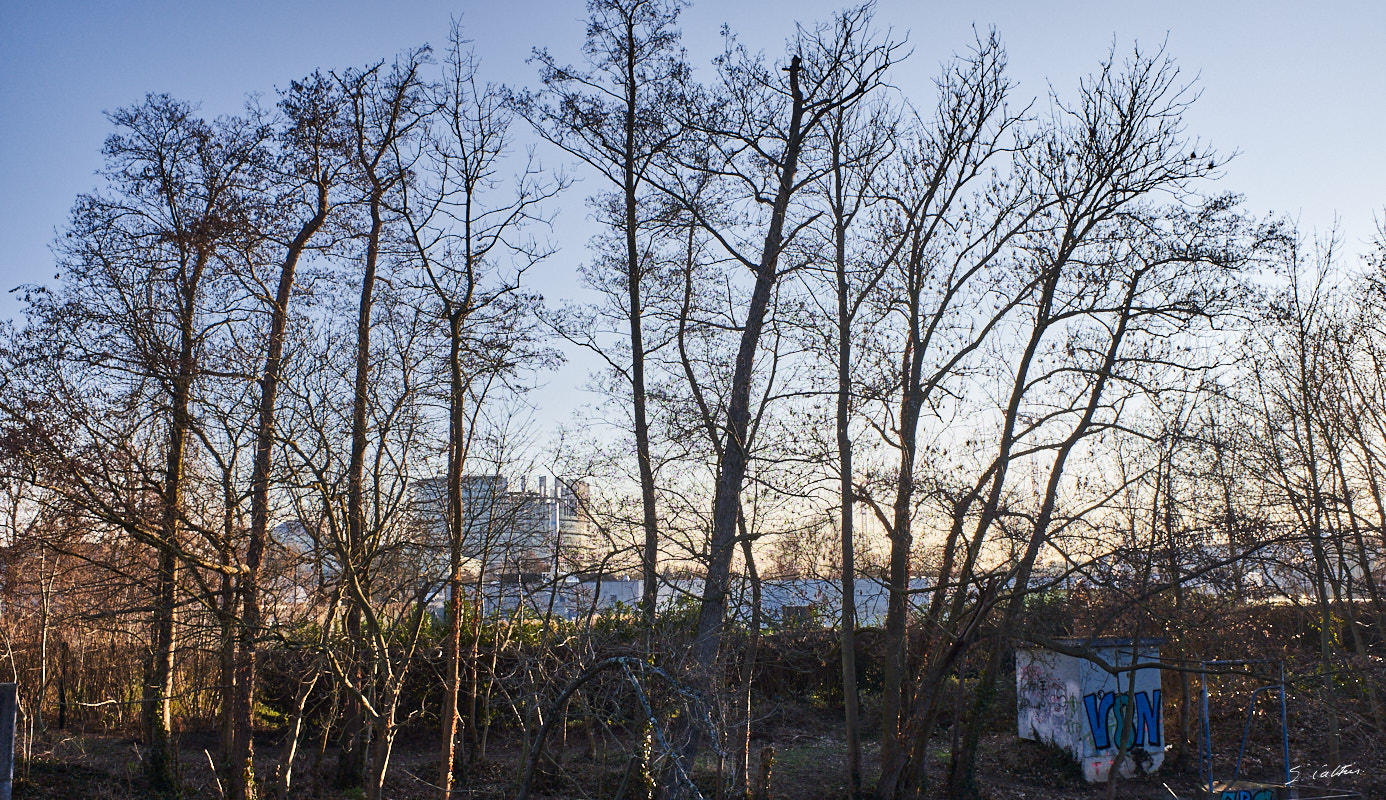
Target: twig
pixel 215 778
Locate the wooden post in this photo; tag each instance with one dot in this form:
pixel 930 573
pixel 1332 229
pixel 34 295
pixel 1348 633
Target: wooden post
pixel 9 706
pixel 767 763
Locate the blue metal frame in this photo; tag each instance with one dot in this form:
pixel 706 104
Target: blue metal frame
pixel 1205 755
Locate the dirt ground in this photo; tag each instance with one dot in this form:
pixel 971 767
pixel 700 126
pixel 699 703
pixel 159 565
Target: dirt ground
pixel 809 765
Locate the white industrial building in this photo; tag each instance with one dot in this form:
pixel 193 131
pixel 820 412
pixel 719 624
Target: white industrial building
pixel 512 526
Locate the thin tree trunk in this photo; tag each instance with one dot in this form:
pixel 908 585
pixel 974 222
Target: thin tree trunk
pixel 732 469
pixel 1365 566
pixel 748 667
pixel 242 769
pixel 161 765
pixel 960 771
pixel 894 694
pixel 382 742
pixel 226 622
pixel 1322 570
pixel 45 606
pixel 351 766
pixel 634 276
pixel 848 621
pixel 286 765
pixel 64 653
pixel 456 521
pixel 476 741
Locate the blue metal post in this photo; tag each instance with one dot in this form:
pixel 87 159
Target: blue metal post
pixel 9 708
pixel 1284 725
pixel 1206 754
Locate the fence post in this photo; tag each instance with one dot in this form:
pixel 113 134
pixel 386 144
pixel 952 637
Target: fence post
pixel 9 707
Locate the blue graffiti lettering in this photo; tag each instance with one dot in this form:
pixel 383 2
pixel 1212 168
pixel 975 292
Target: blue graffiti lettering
pixel 1107 717
pixel 1148 718
pixel 1099 705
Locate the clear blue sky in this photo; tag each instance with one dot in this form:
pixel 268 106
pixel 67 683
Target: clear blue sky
pixel 1296 88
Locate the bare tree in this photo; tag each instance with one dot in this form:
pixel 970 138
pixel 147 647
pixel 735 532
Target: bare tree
pixel 386 106
pixel 145 261
pixel 388 577
pixel 461 237
pixel 939 260
pixel 860 143
pixel 757 131
pixel 1030 253
pixel 1119 281
pixel 312 160
pixel 618 117
pixel 830 67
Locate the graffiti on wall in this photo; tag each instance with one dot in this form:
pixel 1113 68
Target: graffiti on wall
pixel 1247 794
pixel 1107 716
pixel 1041 690
pixel 1047 704
pixel 1079 706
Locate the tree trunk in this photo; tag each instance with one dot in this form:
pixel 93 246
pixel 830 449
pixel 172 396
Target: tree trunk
pixel 894 695
pixel 634 275
pixel 161 764
pixel 241 768
pixel 848 621
pixel 456 520
pixel 286 765
pixel 731 470
pixel 748 668
pixel 351 767
pixel 381 743
pixel 732 467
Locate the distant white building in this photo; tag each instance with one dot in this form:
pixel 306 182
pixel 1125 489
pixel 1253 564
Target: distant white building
pixel 512 527
pixel 784 602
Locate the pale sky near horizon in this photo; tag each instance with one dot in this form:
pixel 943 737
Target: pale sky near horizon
pixel 1295 89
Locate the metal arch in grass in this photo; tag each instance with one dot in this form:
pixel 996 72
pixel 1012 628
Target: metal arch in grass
pixel 625 663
